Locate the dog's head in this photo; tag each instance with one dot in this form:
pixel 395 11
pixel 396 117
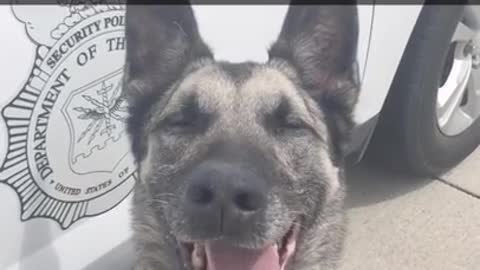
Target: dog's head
pixel 239 163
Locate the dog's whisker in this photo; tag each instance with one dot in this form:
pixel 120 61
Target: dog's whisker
pixel 161 195
pixel 299 225
pixel 296 214
pixel 155 202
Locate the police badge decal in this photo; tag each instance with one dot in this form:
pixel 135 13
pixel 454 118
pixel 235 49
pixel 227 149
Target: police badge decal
pixel 68 155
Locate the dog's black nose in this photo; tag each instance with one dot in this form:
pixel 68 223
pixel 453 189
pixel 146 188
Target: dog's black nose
pixel 224 193
pixel 216 185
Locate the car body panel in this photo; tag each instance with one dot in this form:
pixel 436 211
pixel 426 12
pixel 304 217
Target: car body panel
pixel 391 29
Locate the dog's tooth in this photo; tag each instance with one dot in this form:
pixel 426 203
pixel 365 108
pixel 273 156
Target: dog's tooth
pixel 198 257
pixel 199 249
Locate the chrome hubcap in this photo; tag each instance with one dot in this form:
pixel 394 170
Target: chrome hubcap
pixel 458 98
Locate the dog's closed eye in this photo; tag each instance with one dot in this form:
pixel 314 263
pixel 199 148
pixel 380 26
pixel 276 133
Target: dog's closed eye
pixel 179 120
pixel 188 119
pixel 283 121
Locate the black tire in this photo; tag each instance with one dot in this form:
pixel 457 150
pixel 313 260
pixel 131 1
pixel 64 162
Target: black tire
pixel 407 137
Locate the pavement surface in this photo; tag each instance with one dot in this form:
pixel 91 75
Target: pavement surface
pixel 402 223
pixel 398 223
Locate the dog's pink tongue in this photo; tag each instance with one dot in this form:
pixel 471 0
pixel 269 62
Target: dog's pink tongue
pixel 223 257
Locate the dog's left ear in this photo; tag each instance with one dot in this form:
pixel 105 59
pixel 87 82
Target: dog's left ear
pixel 320 42
pixel 161 41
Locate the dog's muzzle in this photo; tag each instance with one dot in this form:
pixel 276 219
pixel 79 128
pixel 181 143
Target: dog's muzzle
pixel 224 206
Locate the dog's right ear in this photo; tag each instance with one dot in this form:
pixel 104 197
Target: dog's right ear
pixel 320 43
pixel 161 41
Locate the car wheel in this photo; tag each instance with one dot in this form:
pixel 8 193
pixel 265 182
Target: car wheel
pixel 430 120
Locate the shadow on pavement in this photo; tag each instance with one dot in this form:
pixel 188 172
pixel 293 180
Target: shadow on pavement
pixel 119 258
pixel 368 184
pixel 37 236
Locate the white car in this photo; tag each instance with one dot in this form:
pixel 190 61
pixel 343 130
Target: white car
pixel 65 163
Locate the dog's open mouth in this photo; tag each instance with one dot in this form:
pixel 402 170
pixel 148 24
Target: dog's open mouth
pixel 221 256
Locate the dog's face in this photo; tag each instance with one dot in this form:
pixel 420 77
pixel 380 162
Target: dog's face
pixel 239 163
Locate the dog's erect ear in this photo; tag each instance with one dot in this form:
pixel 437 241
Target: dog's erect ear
pixel 320 42
pixel 161 41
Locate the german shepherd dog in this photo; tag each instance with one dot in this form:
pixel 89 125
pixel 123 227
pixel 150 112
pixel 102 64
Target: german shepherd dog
pixel 240 165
